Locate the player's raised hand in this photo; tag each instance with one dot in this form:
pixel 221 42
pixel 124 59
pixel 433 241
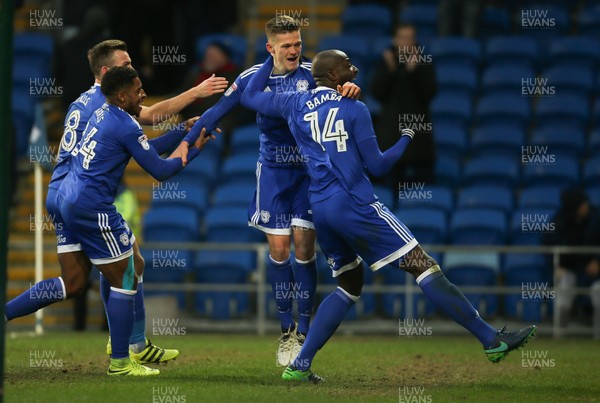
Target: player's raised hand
pixel 204 138
pixel 181 152
pixel 210 86
pixel 190 122
pixel 349 90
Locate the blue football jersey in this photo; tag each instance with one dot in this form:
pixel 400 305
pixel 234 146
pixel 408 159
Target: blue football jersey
pixel 76 120
pixel 329 130
pixel 98 162
pixel 277 146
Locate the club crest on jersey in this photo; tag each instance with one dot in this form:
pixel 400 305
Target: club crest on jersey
pixel 231 88
pixel 143 140
pixel 302 86
pixel 265 216
pixel 124 238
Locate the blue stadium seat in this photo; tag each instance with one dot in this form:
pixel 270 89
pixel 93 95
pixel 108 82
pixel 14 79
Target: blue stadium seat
pixel 505 79
pixel 385 195
pixel 456 79
pixel 245 139
pixel 474 269
pixel 545 22
pixel 240 167
pixel 575 51
pixel 234 195
pixel 450 140
pixel 180 192
pixel 171 224
pixel 486 196
pixel 223 267
pixel 203 170
pixel 260 49
pixel 596 111
pixel 494 21
pixel 529 272
pixel 427 224
pixel 230 224
pixel 535 196
pixel 570 80
pixel 500 140
pixel 512 51
pixel 166 266
pixel 449 108
pixel 563 171
pixel 34 50
pixel 236 43
pixel 367 20
pixel 478 226
pixel 593 147
pixel 503 109
pixel 491 170
pixel 562 141
pixel 528 225
pixel 431 196
pixel 589 21
pixel 424 17
pixel 591 172
pixel 594 195
pixel 23 114
pixel 456 51
pixel 447 171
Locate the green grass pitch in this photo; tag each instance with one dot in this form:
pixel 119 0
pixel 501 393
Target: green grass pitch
pixel 70 367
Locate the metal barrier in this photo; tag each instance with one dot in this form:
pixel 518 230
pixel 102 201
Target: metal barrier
pixel 409 289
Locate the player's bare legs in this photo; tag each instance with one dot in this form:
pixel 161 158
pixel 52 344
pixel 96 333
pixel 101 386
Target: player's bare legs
pixel 75 270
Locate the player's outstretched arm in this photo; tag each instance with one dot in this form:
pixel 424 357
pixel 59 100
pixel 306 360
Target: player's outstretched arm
pixel 379 163
pixel 253 97
pixel 162 110
pixel 148 158
pixel 169 140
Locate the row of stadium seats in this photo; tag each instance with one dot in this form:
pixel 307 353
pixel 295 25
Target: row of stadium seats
pixel 478 219
pixel 462 269
pixel 572 111
pixel 495 140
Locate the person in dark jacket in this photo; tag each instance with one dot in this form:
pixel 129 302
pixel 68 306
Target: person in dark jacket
pixel 405 85
pixel 577 223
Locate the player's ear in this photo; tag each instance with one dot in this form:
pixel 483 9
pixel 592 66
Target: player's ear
pixel 270 48
pixel 332 76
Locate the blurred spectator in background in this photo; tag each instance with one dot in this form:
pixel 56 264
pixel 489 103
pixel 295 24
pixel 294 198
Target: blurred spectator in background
pixel 72 68
pixel 404 83
pixel 459 17
pixel 216 60
pixel 127 204
pixel 577 223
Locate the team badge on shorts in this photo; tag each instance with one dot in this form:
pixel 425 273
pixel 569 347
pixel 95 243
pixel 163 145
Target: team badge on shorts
pixel 124 239
pixel 302 86
pixel 331 262
pixel 143 140
pixel 265 216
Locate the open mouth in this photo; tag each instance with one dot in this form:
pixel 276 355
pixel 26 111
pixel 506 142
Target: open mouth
pixel 292 59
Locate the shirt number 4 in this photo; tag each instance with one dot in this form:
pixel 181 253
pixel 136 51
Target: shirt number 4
pixel 87 148
pixel 332 131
